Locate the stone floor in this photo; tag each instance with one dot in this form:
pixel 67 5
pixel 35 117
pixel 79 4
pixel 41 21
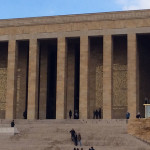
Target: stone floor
pixel 54 135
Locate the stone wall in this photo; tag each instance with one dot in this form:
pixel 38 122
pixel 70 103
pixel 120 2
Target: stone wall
pixel 119 77
pixel 3 77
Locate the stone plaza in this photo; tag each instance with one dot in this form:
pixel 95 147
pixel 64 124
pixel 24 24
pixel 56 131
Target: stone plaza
pixel 50 65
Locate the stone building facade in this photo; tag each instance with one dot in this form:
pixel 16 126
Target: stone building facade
pixel 50 65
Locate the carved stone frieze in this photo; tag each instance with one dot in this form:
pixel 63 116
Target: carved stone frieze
pixel 119 85
pixel 99 86
pixel 3 87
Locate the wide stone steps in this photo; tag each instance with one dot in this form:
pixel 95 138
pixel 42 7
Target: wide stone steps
pixel 54 135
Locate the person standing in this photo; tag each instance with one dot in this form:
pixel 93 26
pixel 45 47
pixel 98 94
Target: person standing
pixel 70 114
pixel 99 113
pixel 127 115
pixel 79 139
pixel 76 115
pixel 138 115
pixel 96 114
pixel 12 123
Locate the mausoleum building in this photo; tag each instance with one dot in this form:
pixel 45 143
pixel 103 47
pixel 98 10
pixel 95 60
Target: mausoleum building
pixel 50 65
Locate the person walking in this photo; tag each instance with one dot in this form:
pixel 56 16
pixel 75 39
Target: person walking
pixel 72 135
pixel 79 139
pixel 76 140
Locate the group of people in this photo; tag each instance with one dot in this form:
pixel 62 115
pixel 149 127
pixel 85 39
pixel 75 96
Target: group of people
pixel 97 114
pixel 82 148
pixel 137 116
pixel 91 148
pixel 76 138
pixel 77 149
pixel 76 114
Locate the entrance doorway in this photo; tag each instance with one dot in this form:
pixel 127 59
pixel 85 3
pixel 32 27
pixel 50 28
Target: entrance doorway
pixel 73 71
pixel 48 72
pixel 143 73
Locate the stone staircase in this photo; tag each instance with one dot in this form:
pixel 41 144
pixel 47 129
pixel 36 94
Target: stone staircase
pixel 54 135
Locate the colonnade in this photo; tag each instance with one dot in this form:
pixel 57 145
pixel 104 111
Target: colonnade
pixel 33 77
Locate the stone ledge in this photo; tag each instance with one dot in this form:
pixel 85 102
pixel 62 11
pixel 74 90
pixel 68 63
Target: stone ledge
pixel 120 15
pixel 8 130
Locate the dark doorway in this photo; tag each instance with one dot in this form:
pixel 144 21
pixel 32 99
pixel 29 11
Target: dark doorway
pixel 3 77
pixel 51 82
pixel 143 45
pixel 22 80
pixel 76 80
pixel 73 71
pixel 48 73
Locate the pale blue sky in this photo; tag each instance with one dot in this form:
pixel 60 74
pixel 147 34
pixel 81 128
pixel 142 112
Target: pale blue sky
pixel 35 8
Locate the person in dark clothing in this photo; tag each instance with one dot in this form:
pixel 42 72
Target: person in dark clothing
pixel 92 148
pixel 76 115
pixel 146 100
pixel 127 115
pixel 72 135
pixel 12 123
pixel 25 114
pixel 99 113
pixel 70 114
pixel 96 114
pixel 138 115
pixel 76 140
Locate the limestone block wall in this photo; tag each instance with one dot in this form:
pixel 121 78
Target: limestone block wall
pixel 3 78
pixel 119 77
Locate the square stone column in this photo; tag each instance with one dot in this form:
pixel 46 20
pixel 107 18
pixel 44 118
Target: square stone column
pixel 132 95
pixel 84 57
pixel 33 82
pixel 107 77
pixel 11 79
pixel 61 80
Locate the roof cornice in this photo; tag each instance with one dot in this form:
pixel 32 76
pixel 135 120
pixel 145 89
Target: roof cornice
pixel 120 15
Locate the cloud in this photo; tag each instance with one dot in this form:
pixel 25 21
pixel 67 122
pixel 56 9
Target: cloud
pixel 134 4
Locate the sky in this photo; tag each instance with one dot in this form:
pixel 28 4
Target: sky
pixel 36 8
